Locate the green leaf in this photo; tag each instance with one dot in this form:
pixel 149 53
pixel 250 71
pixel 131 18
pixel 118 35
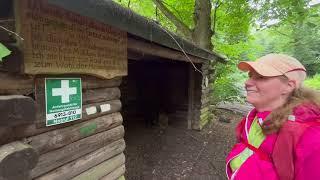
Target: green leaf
pixel 4 51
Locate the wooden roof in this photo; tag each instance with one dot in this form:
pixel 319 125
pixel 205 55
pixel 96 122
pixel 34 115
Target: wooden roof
pixel 111 13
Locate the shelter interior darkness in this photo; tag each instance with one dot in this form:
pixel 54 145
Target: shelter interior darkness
pixel 152 87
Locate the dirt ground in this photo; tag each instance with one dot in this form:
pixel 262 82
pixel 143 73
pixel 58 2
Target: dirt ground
pixel 178 153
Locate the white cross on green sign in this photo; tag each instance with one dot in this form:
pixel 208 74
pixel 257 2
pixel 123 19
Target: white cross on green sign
pixel 63 100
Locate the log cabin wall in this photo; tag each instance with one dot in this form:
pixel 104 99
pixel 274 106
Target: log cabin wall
pixel 206 113
pixel 90 147
pixel 199 90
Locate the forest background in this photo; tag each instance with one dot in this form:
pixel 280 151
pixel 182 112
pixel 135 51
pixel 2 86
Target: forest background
pixel 241 30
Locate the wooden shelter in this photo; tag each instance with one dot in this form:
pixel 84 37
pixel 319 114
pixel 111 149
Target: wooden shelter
pixel 94 51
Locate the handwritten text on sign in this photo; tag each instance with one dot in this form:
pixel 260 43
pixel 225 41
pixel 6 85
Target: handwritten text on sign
pixel 59 41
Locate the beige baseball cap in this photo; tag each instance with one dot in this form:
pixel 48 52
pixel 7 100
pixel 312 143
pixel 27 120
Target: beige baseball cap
pixel 272 65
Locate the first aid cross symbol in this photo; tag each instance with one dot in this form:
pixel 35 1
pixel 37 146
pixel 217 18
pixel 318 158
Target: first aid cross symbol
pixel 65 91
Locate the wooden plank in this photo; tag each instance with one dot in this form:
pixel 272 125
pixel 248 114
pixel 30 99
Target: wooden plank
pixel 69 43
pixel 115 174
pixel 136 46
pixel 16 160
pixel 102 169
pixel 51 160
pixel 99 95
pixel 82 164
pixel 15 84
pixel 17 110
pixel 58 138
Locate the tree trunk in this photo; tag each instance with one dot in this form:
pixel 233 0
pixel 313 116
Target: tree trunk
pixel 202 32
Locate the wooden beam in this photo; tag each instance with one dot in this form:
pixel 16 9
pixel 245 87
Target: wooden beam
pixel 17 110
pixel 99 95
pixel 86 162
pixel 142 48
pixel 88 82
pixel 190 95
pixel 102 169
pixel 15 84
pixel 53 159
pixel 16 160
pixel 58 138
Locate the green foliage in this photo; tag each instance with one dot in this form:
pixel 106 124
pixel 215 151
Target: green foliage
pixel 147 9
pixel 243 31
pixel 233 21
pixel 313 82
pixel 229 84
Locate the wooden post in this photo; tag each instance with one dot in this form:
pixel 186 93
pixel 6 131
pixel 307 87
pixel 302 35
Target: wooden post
pixel 190 96
pixel 16 161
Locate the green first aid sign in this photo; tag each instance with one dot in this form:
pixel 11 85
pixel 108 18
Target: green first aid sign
pixel 63 100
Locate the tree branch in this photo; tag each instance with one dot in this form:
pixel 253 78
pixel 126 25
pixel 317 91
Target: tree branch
pixel 177 22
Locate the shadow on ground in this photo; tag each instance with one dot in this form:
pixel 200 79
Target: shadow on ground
pixel 178 153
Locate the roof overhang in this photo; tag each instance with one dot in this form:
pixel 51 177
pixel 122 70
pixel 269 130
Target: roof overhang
pixel 111 13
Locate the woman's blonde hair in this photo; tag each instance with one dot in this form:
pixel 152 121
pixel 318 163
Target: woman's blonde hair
pixel 301 95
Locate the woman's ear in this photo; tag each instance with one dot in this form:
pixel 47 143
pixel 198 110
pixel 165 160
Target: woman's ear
pixel 291 86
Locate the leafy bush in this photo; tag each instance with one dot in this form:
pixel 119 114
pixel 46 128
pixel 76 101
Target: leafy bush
pixel 313 82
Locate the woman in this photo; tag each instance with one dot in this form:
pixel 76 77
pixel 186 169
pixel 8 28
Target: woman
pixel 280 137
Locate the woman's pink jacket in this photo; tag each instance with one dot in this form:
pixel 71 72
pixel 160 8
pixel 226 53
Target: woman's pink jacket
pixel 294 152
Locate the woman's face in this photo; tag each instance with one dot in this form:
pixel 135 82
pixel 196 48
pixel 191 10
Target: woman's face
pixel 266 93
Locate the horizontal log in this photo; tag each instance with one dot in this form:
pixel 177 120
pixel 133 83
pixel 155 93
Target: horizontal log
pixel 17 110
pixel 86 162
pixel 102 169
pixel 114 175
pixel 99 95
pixel 53 159
pixel 16 160
pixel 87 82
pixel 15 84
pixel 94 82
pixel 58 138
pixel 88 111
pixel 235 107
pixel 6 134
pixel 9 134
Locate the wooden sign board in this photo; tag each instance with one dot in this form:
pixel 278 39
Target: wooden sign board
pixel 57 41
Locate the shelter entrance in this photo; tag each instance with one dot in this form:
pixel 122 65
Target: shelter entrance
pixel 154 99
pixel 155 93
